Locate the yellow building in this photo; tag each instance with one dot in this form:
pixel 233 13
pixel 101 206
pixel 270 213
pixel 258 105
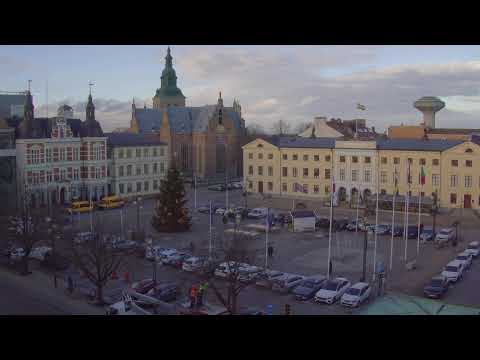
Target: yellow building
pixel 302 168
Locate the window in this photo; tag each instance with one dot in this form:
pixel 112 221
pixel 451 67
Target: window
pixel 162 167
pixel 49 155
pixel 250 185
pixel 383 177
pixel 294 172
pixel 162 151
pixel 120 171
pixel 453 198
pixel 146 169
pixel 284 171
pixel 327 174
pixel 294 187
pixel 138 170
pixel 410 160
pixel 305 157
pixel 138 154
pixel 455 163
pixel 367 177
pixel 250 170
pixel 98 153
pixel 435 162
pixel 35 156
pixel 121 188
pixel 342 159
pixel 260 155
pixel 469 150
pixel 155 152
pixel 396 161
pixel 316 173
pixel 305 188
pixel 146 186
pixel 327 158
pixel 436 179
pixel 316 189
pixel 270 171
pixel 129 170
pixel 76 154
pixel 76 174
pixel 468 163
pixel 305 172
pixel 98 173
pixel 295 157
pixel 260 170
pixel 284 187
pixel 270 156
pixel 62 154
pixel 129 188
pixel 121 155
pixel 146 152
pixel 316 157
pixel 342 175
pixel 270 186
pixel 129 155
pixel 367 160
pixel 384 160
pixel 354 175
pixel 327 189
pixel 354 159
pixel 49 176
pixel 284 156
pixel 155 184
pixel 468 181
pixel 422 162
pixel 139 187
pixel 383 192
pixel 155 168
pixel 63 174
pixel 453 180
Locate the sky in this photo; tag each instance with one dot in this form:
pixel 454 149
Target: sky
pixel 292 83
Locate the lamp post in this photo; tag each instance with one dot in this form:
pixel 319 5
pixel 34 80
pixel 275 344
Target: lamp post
pixel 434 211
pixel 138 202
pixel 365 243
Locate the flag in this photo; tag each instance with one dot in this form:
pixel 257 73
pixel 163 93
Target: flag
pixel 422 176
pixel 395 180
pixel 409 174
pixel 333 185
pixel 360 107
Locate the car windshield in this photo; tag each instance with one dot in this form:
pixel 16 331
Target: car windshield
pixel 331 285
pixel 451 268
pixel 444 232
pixel 436 282
pixel 353 291
pixel 462 257
pixel 309 284
pixel 427 231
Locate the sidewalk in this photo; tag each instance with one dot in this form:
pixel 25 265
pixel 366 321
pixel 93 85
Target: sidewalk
pixel 39 288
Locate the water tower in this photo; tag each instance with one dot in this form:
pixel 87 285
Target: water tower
pixel 429 105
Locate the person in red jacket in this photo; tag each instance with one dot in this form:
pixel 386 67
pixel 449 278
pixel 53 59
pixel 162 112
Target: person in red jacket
pixel 193 296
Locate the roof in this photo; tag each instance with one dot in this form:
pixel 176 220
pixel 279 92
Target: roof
pixel 452 131
pixel 319 128
pixel 129 139
pixel 417 145
pixel 42 127
pixel 182 120
pixel 398 304
pixel 303 213
pixel 300 142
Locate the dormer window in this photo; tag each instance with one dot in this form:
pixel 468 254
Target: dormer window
pixel 469 150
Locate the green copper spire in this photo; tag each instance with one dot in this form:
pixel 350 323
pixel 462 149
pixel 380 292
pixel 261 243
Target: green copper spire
pixel 169 79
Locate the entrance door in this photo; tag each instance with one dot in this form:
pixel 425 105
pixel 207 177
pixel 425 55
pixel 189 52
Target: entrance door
pixel 260 186
pixel 467 201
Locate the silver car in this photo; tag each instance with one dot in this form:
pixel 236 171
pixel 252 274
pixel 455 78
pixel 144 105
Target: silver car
pixel 287 282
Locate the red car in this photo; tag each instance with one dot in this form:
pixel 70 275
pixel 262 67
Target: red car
pixel 143 286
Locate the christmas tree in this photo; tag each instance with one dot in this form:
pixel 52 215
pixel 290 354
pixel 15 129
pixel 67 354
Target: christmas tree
pixel 170 213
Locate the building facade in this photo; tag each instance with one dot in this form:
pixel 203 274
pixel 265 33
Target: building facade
pixel 302 168
pixel 204 141
pixel 136 164
pixel 8 181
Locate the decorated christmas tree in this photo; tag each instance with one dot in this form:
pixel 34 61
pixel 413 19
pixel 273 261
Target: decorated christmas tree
pixel 170 213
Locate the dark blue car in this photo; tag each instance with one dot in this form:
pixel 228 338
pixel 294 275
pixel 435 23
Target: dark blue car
pixel 437 287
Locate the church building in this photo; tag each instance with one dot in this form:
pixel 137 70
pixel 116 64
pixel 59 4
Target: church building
pixel 204 141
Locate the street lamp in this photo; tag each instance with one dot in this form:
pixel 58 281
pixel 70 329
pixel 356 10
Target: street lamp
pixel 138 202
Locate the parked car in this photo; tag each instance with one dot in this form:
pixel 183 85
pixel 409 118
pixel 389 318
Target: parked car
pixel 225 269
pixel 352 225
pixel 121 244
pixel 249 273
pixel 436 288
pixel 219 187
pixel 164 292
pixel 453 271
pixel 153 251
pixel 397 231
pixel 143 286
pixel 283 218
pixel 381 229
pixel 356 294
pixel 445 235
pixel 308 288
pixel 38 253
pixel 177 259
pixel 473 248
pixel 205 209
pixel 266 278
pixel 163 254
pixel 237 185
pixel 412 232
pixel 427 234
pixel 193 264
pixel 287 282
pixel 332 290
pixel 466 258
pixel 322 222
pixel 83 237
pixel 258 213
pixel 341 224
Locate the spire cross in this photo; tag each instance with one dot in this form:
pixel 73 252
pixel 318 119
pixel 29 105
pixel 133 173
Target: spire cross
pixel 90 84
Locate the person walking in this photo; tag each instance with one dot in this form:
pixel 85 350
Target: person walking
pixel 270 251
pixel 193 296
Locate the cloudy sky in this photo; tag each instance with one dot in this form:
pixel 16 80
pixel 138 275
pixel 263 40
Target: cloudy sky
pixel 294 83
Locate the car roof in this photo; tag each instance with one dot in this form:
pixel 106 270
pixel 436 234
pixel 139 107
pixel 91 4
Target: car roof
pixel 475 243
pixel 454 263
pixel 438 277
pixel 360 285
pixel 464 253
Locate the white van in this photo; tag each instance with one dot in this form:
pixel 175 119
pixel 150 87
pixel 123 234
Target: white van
pixel 453 271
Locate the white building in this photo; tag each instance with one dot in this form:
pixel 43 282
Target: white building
pixel 137 163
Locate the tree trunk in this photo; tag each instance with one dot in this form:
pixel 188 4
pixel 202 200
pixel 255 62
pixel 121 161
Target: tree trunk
pixel 99 295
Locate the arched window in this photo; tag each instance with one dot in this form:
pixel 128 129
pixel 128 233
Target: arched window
pixel 469 150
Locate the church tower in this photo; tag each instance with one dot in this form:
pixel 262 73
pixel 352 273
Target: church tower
pixel 168 94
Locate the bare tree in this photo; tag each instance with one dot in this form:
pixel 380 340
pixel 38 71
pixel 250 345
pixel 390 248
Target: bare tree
pixel 98 259
pixel 281 127
pixel 234 254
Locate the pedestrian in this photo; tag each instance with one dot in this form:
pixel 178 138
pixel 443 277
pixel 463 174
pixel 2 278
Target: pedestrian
pixel 193 296
pixel 270 251
pixel 330 268
pixel 55 279
pixel 192 247
pixel 70 284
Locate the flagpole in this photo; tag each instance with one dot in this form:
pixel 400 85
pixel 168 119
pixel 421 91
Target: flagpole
pixel 266 239
pixel 210 230
pixel 419 220
pixel 358 202
pixel 376 232
pixel 195 191
pixel 406 224
pixel 330 227
pixel 91 211
pixel 395 180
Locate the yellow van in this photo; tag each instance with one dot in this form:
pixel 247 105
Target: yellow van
pixel 80 207
pixel 110 202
